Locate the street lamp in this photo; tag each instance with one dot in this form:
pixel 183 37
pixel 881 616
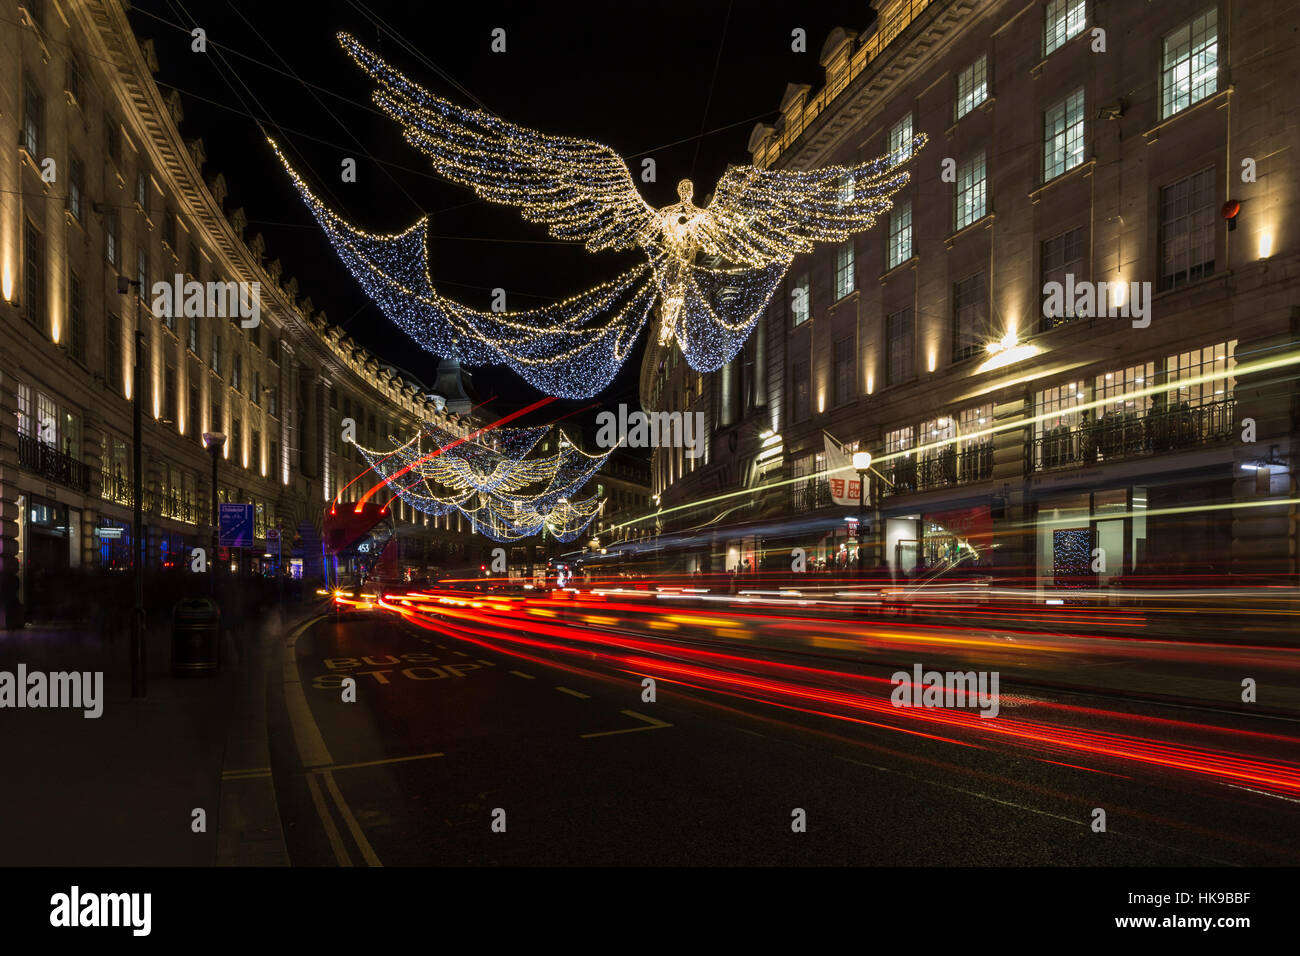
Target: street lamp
pixel 862 464
pixel 214 442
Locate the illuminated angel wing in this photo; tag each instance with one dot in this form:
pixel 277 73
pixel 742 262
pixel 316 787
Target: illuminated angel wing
pixel 758 217
pixel 579 189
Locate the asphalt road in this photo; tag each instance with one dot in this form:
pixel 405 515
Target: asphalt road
pixel 457 753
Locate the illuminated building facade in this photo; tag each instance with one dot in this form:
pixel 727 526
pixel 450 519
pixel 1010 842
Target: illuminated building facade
pixel 97 182
pixel 1076 329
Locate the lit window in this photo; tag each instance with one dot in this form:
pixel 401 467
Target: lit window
pixel 1190 66
pixel 971 182
pixel 844 269
pixel 972 86
pixel 1065 19
pixel 1063 136
pixel 900 234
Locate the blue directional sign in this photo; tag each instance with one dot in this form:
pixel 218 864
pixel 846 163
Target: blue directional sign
pixel 236 525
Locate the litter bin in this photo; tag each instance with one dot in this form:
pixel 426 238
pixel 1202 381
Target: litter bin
pixel 195 631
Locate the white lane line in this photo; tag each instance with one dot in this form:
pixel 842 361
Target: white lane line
pixel 484 663
pixel 523 675
pixel 306 735
pixel 652 723
pixel 331 831
pixel 573 693
pixel 367 851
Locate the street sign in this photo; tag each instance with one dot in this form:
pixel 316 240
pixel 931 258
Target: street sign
pixel 236 525
pixel 272 534
pixel 108 532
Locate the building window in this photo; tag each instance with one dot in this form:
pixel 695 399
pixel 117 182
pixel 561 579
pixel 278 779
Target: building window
pixel 800 310
pixel 171 408
pixel 169 228
pixel 237 440
pixel 113 351
pixel 900 140
pixel 972 86
pixel 844 269
pixel 900 234
pixel 273 401
pixel 1063 136
pixel 74 77
pixel 70 434
pixel 1190 66
pixel 257 449
pixel 973 425
pixel 970 192
pixel 142 189
pixel 1065 19
pixel 1117 390
pixel 33 273
pixel 216 349
pixel 214 418
pixel 47 420
pixel 142 272
pixel 76 318
pixel 111 245
pixel 256 397
pixel 76 187
pixel 33 110
pixel 275 459
pixel 194 334
pixel 192 414
pixel 26 421
pixel 1187 215
pixel 970 317
pixel 1061 256
pixel 900 357
pixel 112 140
pixel 255 335
pixel 844 370
pixel 274 355
pixel 900 440
pixel 1202 376
pixel 237 372
pixel 802 390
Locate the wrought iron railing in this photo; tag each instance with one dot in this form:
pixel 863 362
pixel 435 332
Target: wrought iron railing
pixel 813 492
pixel 1129 435
pixel 941 468
pixel 52 464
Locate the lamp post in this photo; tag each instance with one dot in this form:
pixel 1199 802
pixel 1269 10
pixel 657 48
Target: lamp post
pixel 862 464
pixel 139 672
pixel 214 441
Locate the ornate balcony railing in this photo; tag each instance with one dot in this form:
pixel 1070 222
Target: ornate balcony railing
pixel 941 468
pixel 812 492
pixel 1129 435
pixel 177 508
pixel 52 464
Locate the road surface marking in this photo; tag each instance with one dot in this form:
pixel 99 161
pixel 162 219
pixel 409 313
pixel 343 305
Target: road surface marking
pixel 307 736
pixel 574 693
pixel 523 675
pixel 372 763
pixel 331 831
pixel 461 653
pixel 367 851
pixel 652 722
pixel 484 663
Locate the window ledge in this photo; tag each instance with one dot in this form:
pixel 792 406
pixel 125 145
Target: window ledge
pixel 1221 277
pixel 983 106
pixel 890 273
pixel 984 222
pixel 1219 98
pixel 1085 169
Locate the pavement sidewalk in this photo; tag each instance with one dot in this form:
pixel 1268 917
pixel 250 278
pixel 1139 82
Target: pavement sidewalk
pixel 122 789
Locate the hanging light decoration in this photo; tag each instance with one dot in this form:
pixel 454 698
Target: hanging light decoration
pixel 711 270
pixel 501 484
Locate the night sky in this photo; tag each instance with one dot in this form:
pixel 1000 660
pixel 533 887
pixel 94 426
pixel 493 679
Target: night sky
pixel 643 78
